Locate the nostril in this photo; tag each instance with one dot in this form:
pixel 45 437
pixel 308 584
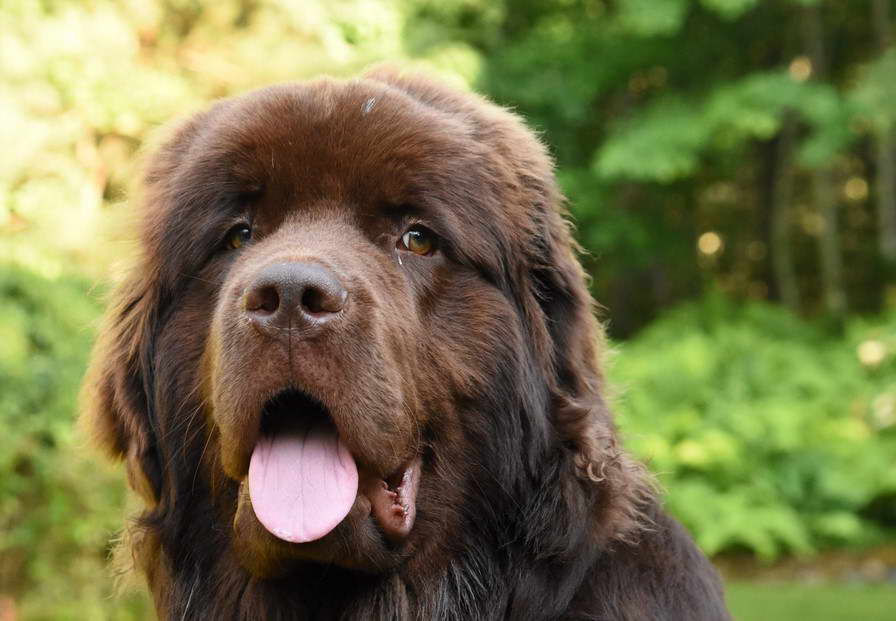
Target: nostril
pixel 317 300
pixel 264 300
pixel 287 295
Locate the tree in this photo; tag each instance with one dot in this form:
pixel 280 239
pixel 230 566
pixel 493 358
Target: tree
pixel 671 119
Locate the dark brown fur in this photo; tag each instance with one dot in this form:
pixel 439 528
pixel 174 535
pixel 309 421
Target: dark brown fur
pixel 481 358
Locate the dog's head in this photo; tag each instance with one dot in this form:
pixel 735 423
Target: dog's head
pixel 357 329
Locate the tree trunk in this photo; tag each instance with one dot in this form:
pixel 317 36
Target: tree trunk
pixel 885 156
pixel 886 195
pixel 780 208
pixel 830 256
pixel 823 190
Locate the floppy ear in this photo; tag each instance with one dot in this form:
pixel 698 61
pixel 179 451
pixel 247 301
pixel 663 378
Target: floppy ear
pixel 581 415
pixel 117 396
pixel 573 340
pixel 116 399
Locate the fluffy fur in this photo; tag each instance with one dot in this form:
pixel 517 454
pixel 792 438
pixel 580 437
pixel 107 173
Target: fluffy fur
pixel 481 359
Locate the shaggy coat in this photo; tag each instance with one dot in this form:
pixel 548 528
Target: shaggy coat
pixel 388 257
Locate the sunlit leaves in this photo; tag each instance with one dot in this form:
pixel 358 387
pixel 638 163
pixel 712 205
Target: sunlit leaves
pixel 875 93
pixel 730 9
pixel 652 17
pixel 666 139
pixel 662 144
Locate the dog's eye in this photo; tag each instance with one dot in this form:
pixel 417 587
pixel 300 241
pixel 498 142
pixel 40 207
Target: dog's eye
pixel 419 240
pixel 238 236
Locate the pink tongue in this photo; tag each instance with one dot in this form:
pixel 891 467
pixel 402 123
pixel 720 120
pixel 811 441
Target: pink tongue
pixel 302 482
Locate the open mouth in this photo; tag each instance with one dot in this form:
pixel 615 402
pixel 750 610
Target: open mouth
pixel 303 480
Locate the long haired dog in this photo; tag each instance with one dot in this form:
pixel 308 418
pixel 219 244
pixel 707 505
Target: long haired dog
pixel 354 375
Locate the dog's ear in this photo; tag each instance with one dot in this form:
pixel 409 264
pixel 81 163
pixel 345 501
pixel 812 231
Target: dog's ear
pixel 580 412
pixel 566 337
pixel 117 395
pixel 573 339
pixel 116 400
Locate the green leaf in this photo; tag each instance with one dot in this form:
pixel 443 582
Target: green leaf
pixel 875 92
pixel 661 144
pixel 730 9
pixel 647 18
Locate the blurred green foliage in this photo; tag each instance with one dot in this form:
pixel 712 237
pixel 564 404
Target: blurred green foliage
pixel 770 435
pixel 767 124
pixel 685 132
pixel 59 509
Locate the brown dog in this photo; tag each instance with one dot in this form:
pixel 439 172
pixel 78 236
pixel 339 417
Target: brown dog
pixel 353 375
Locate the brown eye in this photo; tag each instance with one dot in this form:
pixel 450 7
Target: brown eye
pixel 418 240
pixel 238 235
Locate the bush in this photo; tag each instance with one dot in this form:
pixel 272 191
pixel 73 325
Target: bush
pixel 769 434
pixel 58 509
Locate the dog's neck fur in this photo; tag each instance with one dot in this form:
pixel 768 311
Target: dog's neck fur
pixel 468 586
pixel 614 582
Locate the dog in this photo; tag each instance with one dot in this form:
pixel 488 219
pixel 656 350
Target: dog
pixel 354 374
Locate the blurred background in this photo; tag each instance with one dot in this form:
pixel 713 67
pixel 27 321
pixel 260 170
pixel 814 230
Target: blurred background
pixel 730 165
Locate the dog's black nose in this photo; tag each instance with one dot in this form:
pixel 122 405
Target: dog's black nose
pixel 300 296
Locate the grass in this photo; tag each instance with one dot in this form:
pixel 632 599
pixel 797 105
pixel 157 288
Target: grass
pixel 787 601
pixel 748 601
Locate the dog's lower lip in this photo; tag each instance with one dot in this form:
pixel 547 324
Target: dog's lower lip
pixel 393 501
pixel 394 480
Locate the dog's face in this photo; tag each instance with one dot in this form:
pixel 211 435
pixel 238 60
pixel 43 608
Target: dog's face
pixel 355 318
pixel 357 309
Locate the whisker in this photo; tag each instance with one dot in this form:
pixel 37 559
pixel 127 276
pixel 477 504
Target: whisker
pixel 194 277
